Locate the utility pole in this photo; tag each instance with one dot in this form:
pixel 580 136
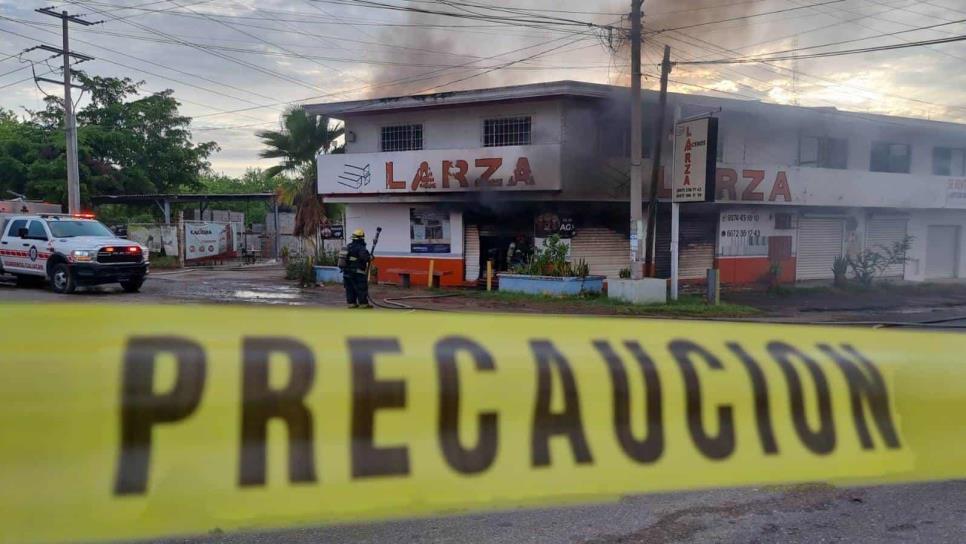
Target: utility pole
pixel 637 174
pixel 70 122
pixel 659 137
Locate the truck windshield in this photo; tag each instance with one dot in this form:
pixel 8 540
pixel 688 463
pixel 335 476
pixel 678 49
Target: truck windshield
pixel 69 229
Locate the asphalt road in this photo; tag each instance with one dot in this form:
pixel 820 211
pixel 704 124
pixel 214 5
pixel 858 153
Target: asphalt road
pixel 933 513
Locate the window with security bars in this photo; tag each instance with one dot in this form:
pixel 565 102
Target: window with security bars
pixel 402 138
pixel 506 131
pixel 890 157
pixel 948 162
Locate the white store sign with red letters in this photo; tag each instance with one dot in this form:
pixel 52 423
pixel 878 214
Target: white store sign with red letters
pixel 510 168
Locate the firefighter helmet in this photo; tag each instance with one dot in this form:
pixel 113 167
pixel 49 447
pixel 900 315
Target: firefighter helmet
pixel 358 234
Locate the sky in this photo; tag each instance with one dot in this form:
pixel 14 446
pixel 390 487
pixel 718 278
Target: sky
pixel 236 65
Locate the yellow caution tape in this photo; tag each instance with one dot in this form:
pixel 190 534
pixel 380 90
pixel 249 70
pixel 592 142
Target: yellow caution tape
pixel 125 422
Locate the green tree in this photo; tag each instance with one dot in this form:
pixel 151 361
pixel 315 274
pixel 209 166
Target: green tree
pixel 254 180
pixel 138 144
pixel 127 144
pixel 301 137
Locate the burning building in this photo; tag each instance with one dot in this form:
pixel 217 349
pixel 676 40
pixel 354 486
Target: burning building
pixel 456 177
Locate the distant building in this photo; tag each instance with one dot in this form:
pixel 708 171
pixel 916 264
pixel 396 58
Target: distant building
pixel 455 177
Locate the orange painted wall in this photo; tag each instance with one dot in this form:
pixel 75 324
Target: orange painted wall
pixel 421 266
pixel 753 270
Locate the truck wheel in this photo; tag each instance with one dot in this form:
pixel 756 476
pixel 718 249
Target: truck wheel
pixel 62 280
pixel 132 285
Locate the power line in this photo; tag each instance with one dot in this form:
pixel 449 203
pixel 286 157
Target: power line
pixel 877 36
pixel 276 54
pixel 139 59
pixel 535 10
pixel 745 17
pixel 142 70
pixel 302 33
pixel 420 77
pixel 222 56
pixel 902 8
pixel 256 37
pixel 767 58
pixel 773 69
pixel 538 22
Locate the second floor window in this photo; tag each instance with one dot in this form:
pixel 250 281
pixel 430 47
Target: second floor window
pixel 822 152
pixel 506 131
pixel 402 138
pixel 948 161
pixel 889 157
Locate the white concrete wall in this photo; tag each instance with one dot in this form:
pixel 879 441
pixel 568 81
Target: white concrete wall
pixel 394 220
pixel 457 128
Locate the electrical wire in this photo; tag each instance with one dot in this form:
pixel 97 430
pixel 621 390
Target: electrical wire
pixel 530 22
pixel 875 37
pixel 142 70
pixel 222 56
pixel 745 17
pixel 768 57
pixel 265 53
pixel 272 44
pixel 413 79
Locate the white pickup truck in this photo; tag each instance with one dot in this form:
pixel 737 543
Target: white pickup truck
pixel 69 251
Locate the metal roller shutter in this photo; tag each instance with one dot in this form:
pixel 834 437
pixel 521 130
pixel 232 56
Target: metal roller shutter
pixel 942 251
pixel 697 240
pixel 606 251
pixel 471 253
pixel 883 232
pixel 819 243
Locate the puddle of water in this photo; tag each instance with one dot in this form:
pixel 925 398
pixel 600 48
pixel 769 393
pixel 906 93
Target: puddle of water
pixel 264 295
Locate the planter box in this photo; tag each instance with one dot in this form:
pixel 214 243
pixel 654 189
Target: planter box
pixel 643 291
pixel 550 285
pixel 327 274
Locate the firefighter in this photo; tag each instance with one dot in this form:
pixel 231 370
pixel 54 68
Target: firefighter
pixel 517 253
pixel 354 262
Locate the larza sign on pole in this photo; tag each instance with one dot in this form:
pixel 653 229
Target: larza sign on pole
pixel 695 152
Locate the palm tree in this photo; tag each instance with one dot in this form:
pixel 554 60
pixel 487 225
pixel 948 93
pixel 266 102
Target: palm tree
pixel 301 137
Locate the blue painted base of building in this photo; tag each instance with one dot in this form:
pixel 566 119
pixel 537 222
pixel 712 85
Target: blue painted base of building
pixel 550 285
pixel 327 274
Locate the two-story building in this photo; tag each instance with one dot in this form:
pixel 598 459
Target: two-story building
pixel 456 177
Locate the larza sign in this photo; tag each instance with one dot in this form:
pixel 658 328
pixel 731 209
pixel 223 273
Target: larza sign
pixel 512 168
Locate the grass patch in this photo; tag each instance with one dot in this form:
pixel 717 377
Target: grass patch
pixel 160 262
pixel 685 306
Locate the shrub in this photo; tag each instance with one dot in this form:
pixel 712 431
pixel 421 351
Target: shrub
pixel 869 264
pixel 326 257
pixel 551 260
pixel 301 270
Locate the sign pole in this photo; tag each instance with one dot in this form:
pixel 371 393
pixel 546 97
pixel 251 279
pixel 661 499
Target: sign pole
pixel 637 169
pixel 675 218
